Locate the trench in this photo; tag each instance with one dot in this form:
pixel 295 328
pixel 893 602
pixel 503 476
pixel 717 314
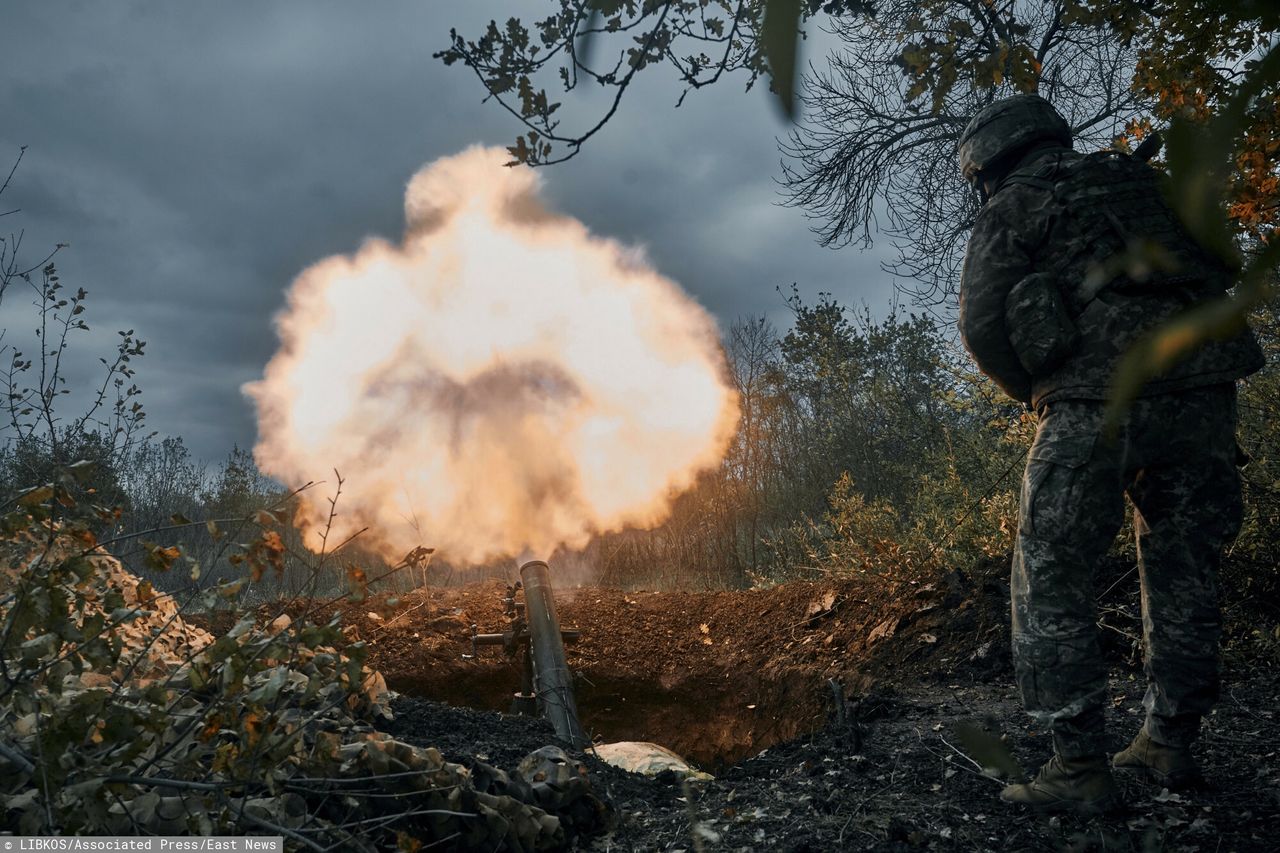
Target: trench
pixel 712 719
pixel 714 676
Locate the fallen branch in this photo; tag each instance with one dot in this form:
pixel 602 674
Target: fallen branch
pixel 282 830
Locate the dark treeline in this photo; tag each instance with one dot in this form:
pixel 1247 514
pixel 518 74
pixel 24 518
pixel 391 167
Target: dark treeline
pixel 861 440
pixel 865 445
pixel 874 446
pixel 144 489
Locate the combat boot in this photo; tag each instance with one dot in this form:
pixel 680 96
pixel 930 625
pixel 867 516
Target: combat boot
pixel 1170 766
pixel 1082 785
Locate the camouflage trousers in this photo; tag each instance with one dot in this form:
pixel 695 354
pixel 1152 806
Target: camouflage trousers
pixel 1175 457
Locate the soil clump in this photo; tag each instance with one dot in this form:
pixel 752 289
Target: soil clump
pixel 715 676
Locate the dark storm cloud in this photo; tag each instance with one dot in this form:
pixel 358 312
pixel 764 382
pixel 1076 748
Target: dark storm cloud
pixel 198 155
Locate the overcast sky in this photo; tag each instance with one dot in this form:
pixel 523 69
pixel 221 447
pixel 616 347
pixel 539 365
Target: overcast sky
pixel 198 155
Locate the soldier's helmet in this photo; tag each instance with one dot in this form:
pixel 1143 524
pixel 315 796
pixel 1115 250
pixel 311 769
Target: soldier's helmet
pixel 1006 126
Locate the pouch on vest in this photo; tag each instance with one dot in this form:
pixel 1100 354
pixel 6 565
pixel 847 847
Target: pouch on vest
pixel 1040 327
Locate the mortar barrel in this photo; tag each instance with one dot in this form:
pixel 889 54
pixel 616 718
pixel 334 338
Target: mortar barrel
pixel 551 678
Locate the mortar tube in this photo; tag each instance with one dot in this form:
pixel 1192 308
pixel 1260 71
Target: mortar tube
pixel 552 681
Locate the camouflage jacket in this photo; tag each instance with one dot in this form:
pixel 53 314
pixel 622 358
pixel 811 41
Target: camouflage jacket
pixel 1022 230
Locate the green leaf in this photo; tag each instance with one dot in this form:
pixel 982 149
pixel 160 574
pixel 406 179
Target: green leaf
pixel 94 625
pixel 82 567
pixel 780 39
pixel 988 750
pixel 1198 185
pixel 312 636
pixel 1201 157
pixel 586 42
pixel 35 496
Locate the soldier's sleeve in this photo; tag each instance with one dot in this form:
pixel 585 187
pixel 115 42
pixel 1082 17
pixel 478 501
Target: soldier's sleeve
pixel 998 256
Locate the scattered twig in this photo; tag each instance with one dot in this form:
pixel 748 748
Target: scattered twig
pixel 1119 581
pixel 979 771
pixel 393 620
pixel 283 830
pixel 176 784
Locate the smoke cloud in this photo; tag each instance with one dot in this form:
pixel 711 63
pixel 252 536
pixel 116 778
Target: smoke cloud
pixel 500 382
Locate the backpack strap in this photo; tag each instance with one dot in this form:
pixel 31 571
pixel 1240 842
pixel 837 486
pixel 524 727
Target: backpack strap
pixel 1043 177
pixel 1029 179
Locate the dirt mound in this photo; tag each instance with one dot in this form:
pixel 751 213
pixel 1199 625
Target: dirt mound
pixel 155 639
pixel 715 676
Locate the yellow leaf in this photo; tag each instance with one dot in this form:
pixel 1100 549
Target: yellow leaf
pixel 38 495
pixel 223 757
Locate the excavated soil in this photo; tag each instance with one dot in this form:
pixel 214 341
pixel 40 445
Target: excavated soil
pixel 715 676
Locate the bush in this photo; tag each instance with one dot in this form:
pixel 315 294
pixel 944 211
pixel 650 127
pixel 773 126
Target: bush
pixel 125 720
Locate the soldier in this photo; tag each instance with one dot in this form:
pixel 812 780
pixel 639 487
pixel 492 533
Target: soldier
pixel 1047 307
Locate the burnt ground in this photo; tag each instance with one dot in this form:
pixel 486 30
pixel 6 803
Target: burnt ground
pixel 898 780
pixel 739 683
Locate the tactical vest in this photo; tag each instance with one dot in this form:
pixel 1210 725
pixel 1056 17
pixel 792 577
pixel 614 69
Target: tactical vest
pixel 1114 232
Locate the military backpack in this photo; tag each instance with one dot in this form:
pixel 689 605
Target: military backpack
pixel 1125 239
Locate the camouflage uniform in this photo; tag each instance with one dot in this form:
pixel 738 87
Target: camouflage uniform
pixel 1021 232
pixel 1175 458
